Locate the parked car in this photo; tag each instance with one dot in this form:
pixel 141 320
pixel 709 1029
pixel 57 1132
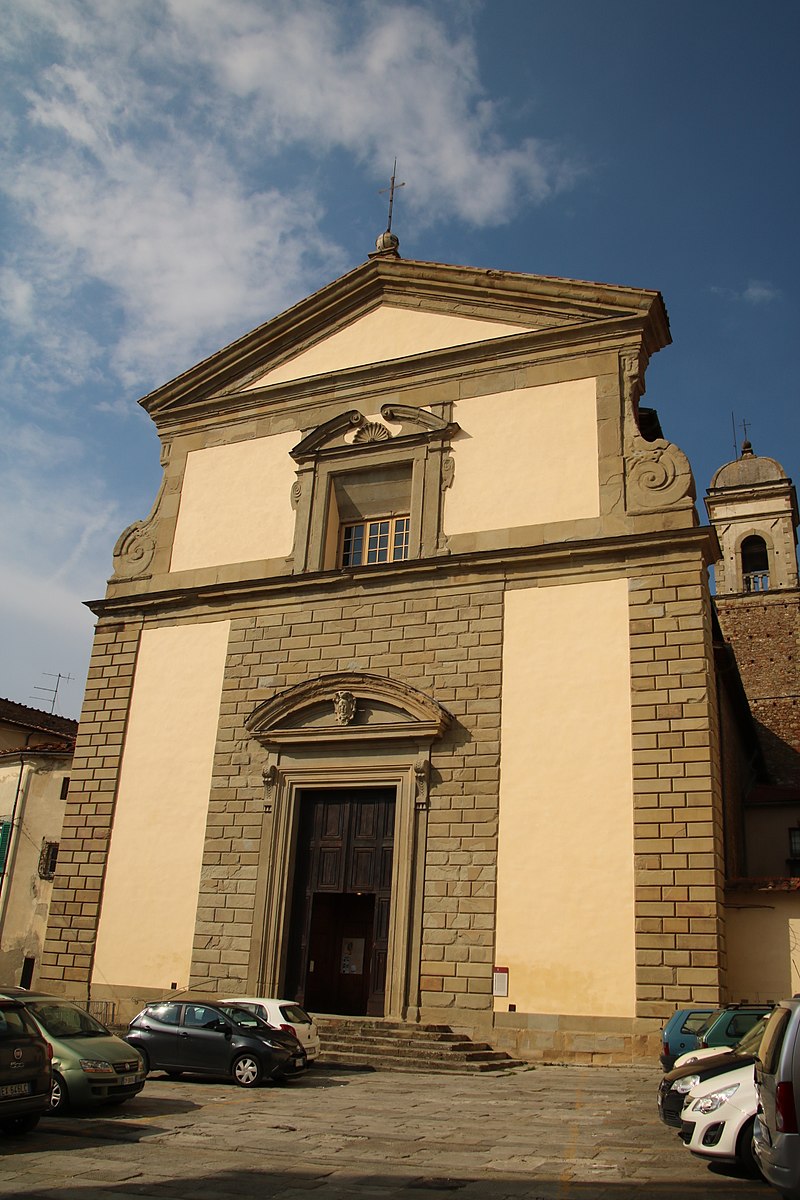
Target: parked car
pixel 731 1024
pixel 748 1045
pixel 680 1033
pixel 678 1082
pixel 90 1064
pixel 776 1138
pixel 719 1113
pixel 286 1015
pixel 25 1069
pixel 202 1037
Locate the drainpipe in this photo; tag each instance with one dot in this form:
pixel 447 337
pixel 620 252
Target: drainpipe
pixel 25 772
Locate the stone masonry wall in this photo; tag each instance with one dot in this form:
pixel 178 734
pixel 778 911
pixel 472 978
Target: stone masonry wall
pixel 764 631
pixel 678 822
pixel 75 905
pixel 449 645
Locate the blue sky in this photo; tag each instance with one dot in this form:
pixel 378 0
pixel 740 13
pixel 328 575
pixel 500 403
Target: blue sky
pixel 175 172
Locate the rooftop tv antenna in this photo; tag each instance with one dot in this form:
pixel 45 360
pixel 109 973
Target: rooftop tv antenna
pixel 52 691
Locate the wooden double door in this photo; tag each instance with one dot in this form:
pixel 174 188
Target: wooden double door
pixel 339 928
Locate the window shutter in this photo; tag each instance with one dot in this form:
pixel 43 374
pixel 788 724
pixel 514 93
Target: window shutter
pixel 5 838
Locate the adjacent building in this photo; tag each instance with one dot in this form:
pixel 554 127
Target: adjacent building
pixel 35 762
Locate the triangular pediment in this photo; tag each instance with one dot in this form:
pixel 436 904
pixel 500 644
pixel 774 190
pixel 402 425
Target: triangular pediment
pixel 387 332
pixel 390 310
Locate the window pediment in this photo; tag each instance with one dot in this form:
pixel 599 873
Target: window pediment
pixel 348 707
pixel 331 435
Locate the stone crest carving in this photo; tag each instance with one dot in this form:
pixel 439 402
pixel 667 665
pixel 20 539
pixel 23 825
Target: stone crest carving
pixel 296 493
pixel 344 707
pixel 448 471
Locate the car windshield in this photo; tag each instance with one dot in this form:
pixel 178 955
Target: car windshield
pixel 64 1020
pixel 751 1041
pixel 245 1019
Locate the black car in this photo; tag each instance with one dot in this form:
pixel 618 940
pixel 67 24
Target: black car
pixel 677 1082
pixel 25 1069
pixel 201 1037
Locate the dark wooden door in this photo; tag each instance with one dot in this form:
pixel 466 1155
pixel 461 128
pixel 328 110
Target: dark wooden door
pixel 342 899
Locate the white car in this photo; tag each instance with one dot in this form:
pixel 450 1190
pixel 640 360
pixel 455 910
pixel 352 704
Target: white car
pixel 283 1014
pixel 718 1116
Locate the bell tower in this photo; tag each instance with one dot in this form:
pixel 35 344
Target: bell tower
pixel 752 504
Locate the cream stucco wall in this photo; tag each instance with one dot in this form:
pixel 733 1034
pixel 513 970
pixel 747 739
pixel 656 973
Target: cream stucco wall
pixel 565 904
pixel 525 458
pixel 384 333
pixel 235 504
pixel 150 896
pixel 762 931
pixel 24 895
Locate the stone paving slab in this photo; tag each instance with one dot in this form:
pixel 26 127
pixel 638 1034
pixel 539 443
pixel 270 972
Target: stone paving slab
pixel 550 1133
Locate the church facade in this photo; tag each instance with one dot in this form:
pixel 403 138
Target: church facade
pixel 403 700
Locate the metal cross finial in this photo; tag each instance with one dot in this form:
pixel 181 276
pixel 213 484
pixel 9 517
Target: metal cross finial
pixel 391 190
pixel 745 426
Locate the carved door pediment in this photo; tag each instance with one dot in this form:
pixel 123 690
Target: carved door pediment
pixel 346 707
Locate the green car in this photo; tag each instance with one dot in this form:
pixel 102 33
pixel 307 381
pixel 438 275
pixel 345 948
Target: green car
pixel 90 1064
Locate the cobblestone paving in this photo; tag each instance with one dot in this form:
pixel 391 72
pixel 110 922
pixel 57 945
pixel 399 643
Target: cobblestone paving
pixel 553 1133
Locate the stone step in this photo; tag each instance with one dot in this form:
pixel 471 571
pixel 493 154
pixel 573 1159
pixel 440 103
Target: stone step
pixel 392 1045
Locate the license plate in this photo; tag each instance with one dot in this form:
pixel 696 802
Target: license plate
pixel 127 1080
pixel 15 1089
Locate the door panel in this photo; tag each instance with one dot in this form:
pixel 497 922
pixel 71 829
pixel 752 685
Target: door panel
pixel 342 893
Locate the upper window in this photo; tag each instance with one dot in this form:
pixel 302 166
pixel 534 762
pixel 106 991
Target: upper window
pixel 755 564
pixel 48 859
pixel 370 493
pixel 379 541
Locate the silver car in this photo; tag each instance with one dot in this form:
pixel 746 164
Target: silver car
pixel 776 1137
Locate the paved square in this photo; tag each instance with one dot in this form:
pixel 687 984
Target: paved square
pixel 550 1133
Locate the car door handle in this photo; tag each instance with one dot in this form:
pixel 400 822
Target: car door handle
pixel 183 1034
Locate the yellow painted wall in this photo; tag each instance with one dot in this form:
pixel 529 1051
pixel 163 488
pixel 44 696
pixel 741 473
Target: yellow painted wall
pixel 384 333
pixel 762 932
pixel 150 896
pixel 235 504
pixel 525 458
pixel 565 902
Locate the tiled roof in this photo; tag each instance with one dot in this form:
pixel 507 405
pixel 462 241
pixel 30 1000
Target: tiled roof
pixel 49 750
pixel 12 713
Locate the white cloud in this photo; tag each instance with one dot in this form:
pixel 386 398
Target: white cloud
pixel 759 291
pixel 756 291
pixel 154 161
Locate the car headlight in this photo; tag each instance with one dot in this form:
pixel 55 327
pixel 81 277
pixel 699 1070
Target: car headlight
pixel 682 1086
pixel 714 1100
pixel 96 1066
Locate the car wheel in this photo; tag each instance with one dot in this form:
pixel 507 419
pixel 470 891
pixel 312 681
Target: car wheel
pixel 247 1070
pixel 59 1096
pixel 145 1060
pixel 744 1151
pixel 21 1124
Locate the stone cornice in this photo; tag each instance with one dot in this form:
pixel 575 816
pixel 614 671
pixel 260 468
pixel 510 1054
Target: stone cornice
pixel 595 555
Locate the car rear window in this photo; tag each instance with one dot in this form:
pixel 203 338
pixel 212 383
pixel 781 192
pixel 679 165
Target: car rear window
pixel 295 1014
pixel 15 1022
pixel 63 1020
pixel 771 1043
pixel 696 1022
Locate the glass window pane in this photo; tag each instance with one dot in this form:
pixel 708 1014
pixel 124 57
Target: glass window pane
pixel 378 543
pixel 353 546
pixel 400 547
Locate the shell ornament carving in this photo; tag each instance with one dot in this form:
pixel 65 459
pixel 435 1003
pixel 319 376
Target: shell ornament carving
pixel 134 551
pixel 372 431
pixel 296 493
